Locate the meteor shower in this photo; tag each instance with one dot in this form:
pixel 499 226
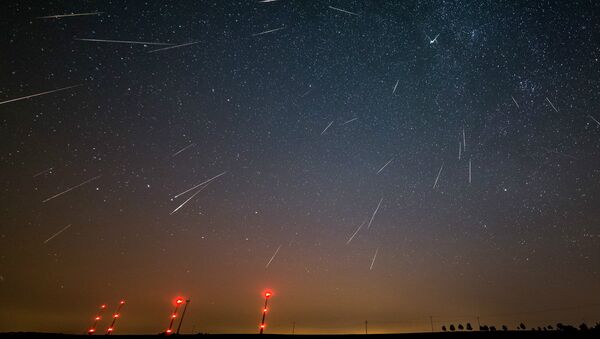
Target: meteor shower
pixel 419 168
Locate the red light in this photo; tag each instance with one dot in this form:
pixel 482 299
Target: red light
pixel 268 294
pixel 116 315
pixel 122 302
pixel 97 318
pixel 265 310
pixel 103 306
pixel 179 300
pixel 169 331
pixel 262 326
pixel 92 330
pixel 110 329
pixel 174 316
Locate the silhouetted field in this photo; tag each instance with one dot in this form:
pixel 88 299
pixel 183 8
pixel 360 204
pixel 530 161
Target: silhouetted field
pixel 437 335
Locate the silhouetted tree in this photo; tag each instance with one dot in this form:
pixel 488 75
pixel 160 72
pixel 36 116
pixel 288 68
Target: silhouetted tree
pixel 452 328
pixel 565 328
pixel 444 328
pixel 484 328
pixel 469 328
pixel 539 328
pixel 492 328
pixel 550 327
pixel 504 328
pixel 460 327
pixel 522 326
pixel 583 327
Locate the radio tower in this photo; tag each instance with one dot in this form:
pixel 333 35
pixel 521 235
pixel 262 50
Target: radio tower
pixel 92 329
pixel 115 316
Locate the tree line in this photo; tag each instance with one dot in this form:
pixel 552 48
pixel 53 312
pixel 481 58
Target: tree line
pixel 522 327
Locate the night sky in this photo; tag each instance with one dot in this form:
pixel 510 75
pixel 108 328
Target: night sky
pixel 381 161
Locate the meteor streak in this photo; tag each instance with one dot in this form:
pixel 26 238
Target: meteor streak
pixel 384 166
pixel 127 42
pixel 269 31
pixel 343 10
pixel 273 257
pixel 176 46
pixel 438 176
pixel 349 121
pixel 374 213
pixel 374 257
pixel 72 188
pixel 395 86
pixel 591 117
pixel 551 104
pixel 183 149
pixel 355 232
pixel 200 184
pixel 38 94
pixel 57 233
pixel 515 101
pixel 326 128
pixel 43 172
pixel 68 15
pixel 188 199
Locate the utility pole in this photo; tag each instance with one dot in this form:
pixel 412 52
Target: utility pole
pixel 293 327
pixel 431 321
pixel 366 327
pixel 478 324
pixel 183 314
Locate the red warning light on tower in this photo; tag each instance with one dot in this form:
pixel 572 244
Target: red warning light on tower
pixel 97 318
pixel 178 302
pixel 116 315
pixel 268 294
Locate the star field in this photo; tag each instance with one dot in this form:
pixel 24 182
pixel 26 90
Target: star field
pixel 381 161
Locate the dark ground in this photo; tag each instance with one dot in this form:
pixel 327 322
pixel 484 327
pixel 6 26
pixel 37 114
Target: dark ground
pixel 438 335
